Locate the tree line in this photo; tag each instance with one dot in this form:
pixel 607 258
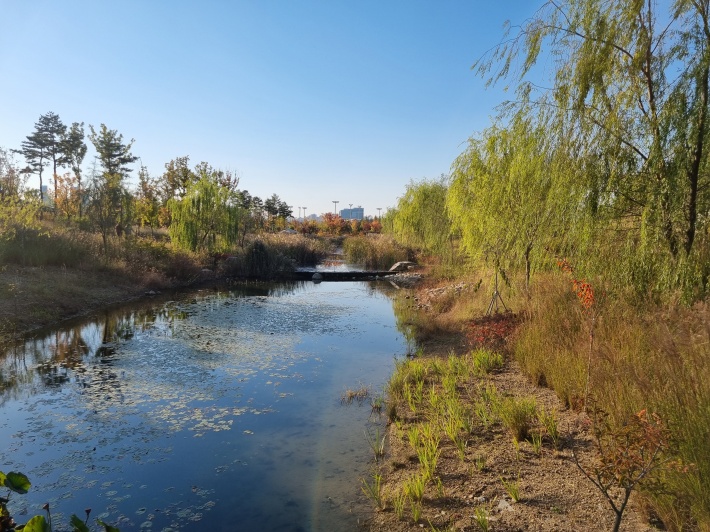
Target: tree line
pixel 604 160
pixel 202 206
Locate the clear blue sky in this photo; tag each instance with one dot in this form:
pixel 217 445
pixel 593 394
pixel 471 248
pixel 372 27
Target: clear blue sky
pixel 313 100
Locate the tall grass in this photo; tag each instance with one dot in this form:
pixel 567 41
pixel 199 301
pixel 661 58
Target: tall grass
pixel 374 252
pixel 649 357
pixel 51 247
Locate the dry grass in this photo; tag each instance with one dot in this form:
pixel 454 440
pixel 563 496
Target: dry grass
pixel 375 252
pixel 655 358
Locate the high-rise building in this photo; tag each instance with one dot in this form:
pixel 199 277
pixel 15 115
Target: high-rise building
pixel 356 213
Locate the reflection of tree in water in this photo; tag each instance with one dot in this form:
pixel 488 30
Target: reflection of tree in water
pixel 68 355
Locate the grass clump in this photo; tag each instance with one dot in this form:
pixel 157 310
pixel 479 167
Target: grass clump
pixel 485 361
pixel 517 415
pixel 373 491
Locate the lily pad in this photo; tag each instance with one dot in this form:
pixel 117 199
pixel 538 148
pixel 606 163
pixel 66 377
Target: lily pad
pixel 17 482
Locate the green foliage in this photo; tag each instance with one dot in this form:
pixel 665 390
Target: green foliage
pixel 207 218
pixel 420 219
pixel 373 252
pixel 113 154
pixel 373 490
pixel 507 197
pixel 517 414
pixel 636 131
pixel 17 482
pixel 485 361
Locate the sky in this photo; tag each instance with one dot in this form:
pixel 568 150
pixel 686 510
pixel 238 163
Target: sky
pixel 314 100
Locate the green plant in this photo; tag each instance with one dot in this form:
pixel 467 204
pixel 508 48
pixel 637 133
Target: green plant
pixel 398 503
pixel 549 421
pixel 480 517
pixel 377 443
pixel 536 441
pixel 453 425
pixel 377 404
pixel 416 510
pixel 512 488
pixel 484 361
pixel 517 415
pixel 19 483
pixel 479 462
pixel 355 394
pixel 373 491
pixel 414 487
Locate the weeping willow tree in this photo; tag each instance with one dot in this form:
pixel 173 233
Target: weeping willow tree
pixel 420 220
pixel 508 196
pixel 207 218
pixel 633 77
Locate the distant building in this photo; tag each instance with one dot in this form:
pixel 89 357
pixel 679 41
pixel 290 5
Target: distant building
pixel 357 213
pixel 45 195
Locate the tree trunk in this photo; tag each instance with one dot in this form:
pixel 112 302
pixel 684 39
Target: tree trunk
pixel 694 170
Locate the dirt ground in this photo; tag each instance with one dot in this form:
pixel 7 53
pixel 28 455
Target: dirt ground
pixel 33 298
pixel 554 493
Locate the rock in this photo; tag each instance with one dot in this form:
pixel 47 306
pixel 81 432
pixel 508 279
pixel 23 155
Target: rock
pixel 317 277
pixel 403 266
pixel 504 505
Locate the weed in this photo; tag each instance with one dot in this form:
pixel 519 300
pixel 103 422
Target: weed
pixel 483 413
pixel 392 415
pixel 512 488
pixel 416 511
pixel 357 394
pixel 549 421
pixel 480 517
pixel 479 462
pixel 452 425
pixel 414 437
pixel 373 491
pixel 517 415
pixel 377 443
pixel 399 500
pixel 536 441
pixel 485 361
pixel 428 455
pixel 414 487
pixel 377 404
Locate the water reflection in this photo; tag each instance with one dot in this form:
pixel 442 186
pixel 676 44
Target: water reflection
pixel 210 407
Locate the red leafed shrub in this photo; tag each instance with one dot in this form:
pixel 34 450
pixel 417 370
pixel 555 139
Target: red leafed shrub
pixel 491 331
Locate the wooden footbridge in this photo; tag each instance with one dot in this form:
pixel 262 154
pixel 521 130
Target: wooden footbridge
pixel 336 275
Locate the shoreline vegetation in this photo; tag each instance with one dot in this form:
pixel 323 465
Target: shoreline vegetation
pixel 498 399
pixel 584 208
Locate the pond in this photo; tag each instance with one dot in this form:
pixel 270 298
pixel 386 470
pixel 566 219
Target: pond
pixel 214 409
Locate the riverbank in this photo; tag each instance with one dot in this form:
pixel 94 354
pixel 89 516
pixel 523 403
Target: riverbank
pixel 553 492
pixel 37 297
pixel 476 480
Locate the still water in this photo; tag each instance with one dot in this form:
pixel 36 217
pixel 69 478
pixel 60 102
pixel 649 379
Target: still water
pixel 217 410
